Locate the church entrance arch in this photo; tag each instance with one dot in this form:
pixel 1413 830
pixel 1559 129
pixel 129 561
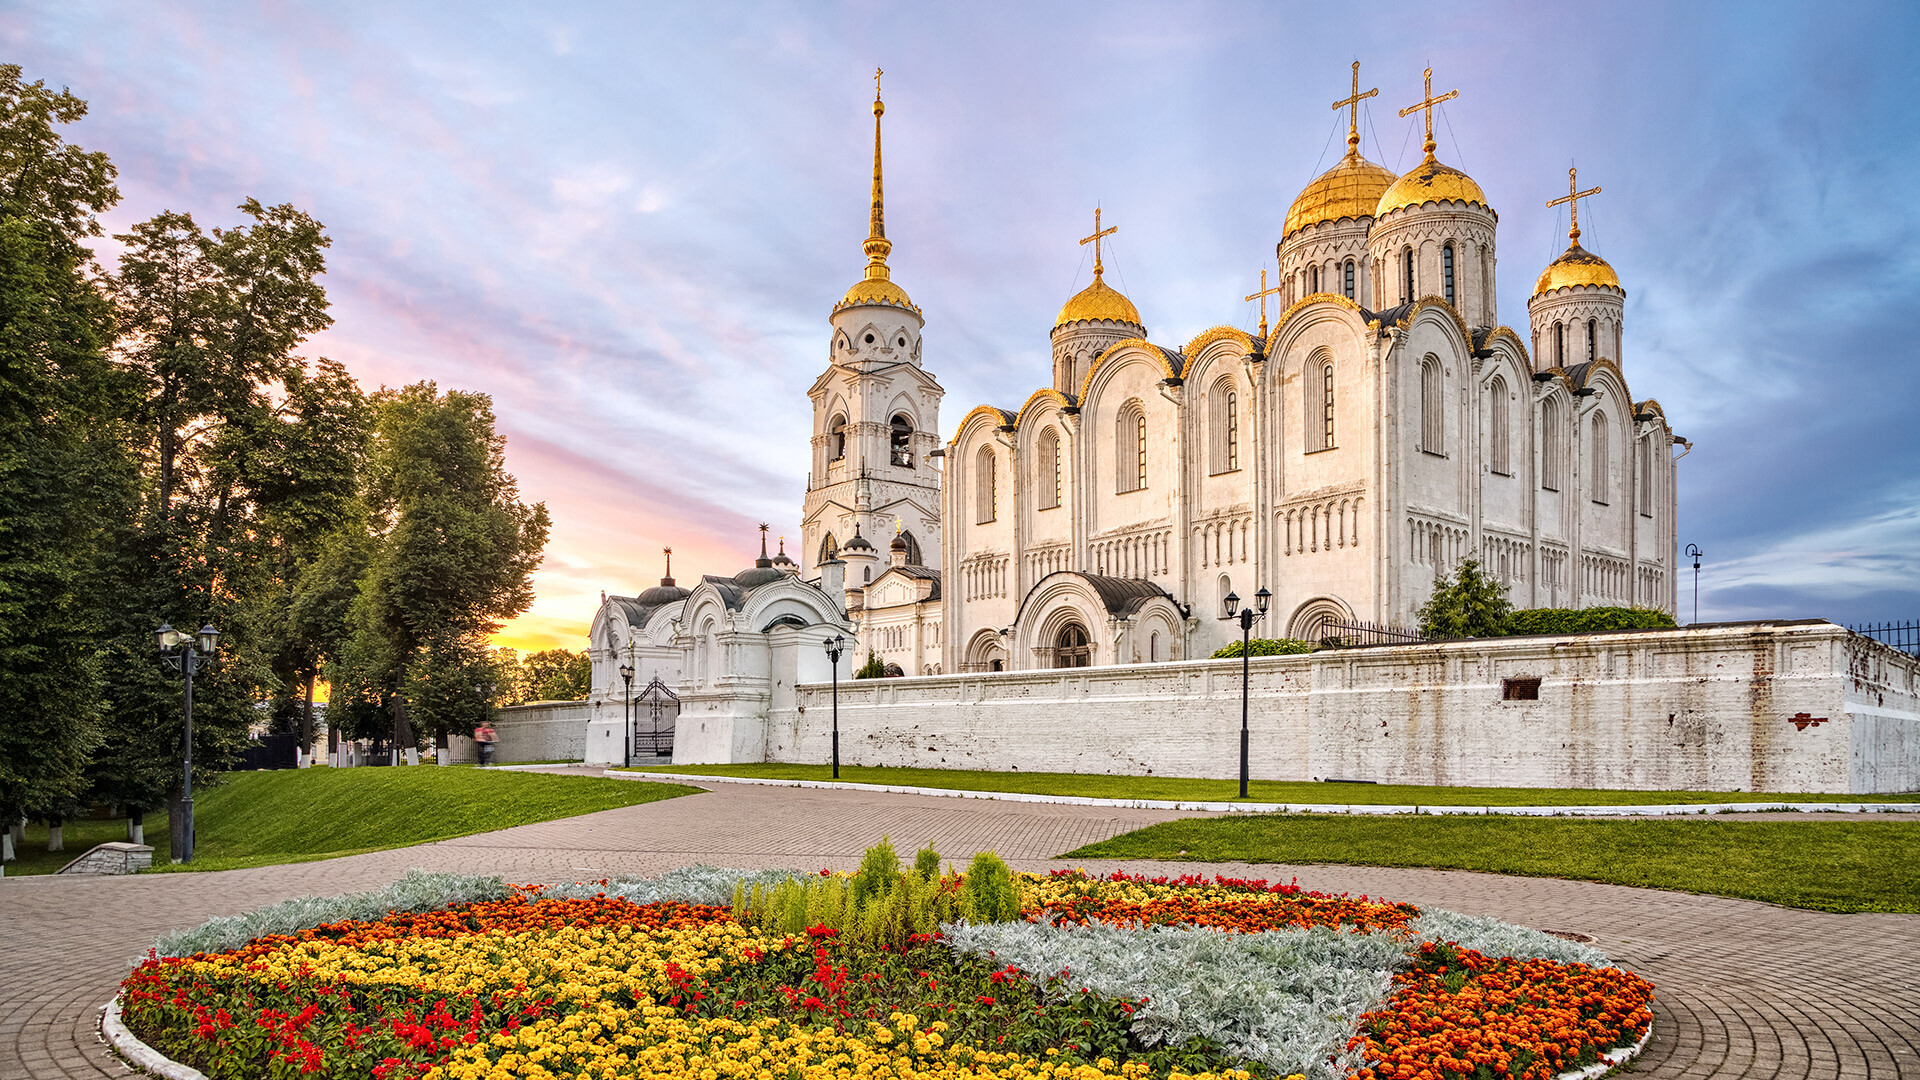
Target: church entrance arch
pixel 1315 620
pixel 985 653
pixel 1071 647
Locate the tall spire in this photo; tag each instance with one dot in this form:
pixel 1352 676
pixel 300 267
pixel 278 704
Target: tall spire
pixel 877 245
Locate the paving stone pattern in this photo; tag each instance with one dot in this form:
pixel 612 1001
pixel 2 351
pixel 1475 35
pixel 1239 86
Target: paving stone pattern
pixel 1746 990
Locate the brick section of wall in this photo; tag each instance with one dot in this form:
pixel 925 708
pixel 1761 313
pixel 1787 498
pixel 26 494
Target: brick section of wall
pixel 1748 707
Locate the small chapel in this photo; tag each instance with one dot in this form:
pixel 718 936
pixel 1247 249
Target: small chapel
pixel 1382 427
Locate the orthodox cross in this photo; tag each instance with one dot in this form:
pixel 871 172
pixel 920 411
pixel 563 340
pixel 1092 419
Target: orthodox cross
pixel 1572 199
pixel 1098 233
pixel 669 552
pixel 1428 105
pixel 876 83
pixel 1353 105
pixel 1262 297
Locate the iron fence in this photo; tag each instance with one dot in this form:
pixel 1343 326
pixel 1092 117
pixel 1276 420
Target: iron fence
pixel 1904 636
pixel 1334 634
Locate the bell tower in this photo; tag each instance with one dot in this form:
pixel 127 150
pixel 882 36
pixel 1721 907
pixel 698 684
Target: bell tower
pixel 876 411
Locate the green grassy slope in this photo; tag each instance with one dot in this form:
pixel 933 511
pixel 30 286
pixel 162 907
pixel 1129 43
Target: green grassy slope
pixel 1827 865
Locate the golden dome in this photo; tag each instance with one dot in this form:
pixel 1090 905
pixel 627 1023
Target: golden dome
pixel 1430 181
pixel 876 291
pixel 1576 267
pixel 1098 301
pixel 1350 189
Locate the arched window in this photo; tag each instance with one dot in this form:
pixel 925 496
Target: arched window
pixel 836 437
pixel 1326 407
pixel 1223 427
pixel 1559 344
pixel 1601 469
pixel 1616 343
pixel 1550 444
pixel 913 548
pixel 984 484
pixel 1346 286
pixel 1153 647
pixel 1446 272
pixel 1313 279
pixel 1048 477
pixel 1499 415
pixel 1593 339
pixel 900 441
pixel 1646 477
pixel 1130 448
pixel 1071 647
pixel 829 549
pixel 1433 404
pixel 1406 284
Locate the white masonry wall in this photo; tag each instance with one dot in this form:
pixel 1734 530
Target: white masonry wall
pixel 541 731
pixel 1752 707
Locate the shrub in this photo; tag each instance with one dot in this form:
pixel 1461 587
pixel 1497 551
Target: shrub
pixel 1586 620
pixel 872 669
pixel 987 895
pixel 1465 604
pixel 888 916
pixel 1262 646
pixel 926 863
pixel 879 871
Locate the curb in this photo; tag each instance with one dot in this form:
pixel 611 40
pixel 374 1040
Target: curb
pixel 1610 1060
pixel 1659 810
pixel 139 1054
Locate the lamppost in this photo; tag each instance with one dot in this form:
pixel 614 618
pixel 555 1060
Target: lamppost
pixel 183 652
pixel 1694 553
pixel 1247 617
pixel 833 647
pixel 626 675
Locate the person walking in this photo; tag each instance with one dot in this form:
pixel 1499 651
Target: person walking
pixel 485 737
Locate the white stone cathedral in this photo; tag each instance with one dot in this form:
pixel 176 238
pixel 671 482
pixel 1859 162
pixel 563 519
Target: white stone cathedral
pixel 1383 428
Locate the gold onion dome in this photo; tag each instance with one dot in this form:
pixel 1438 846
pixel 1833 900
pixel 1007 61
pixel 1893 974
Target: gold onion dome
pixel 877 286
pixel 1430 181
pixel 1576 267
pixel 1351 189
pixel 1098 301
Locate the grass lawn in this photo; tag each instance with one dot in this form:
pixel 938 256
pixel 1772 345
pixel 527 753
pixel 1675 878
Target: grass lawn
pixel 1823 865
pixel 296 815
pixel 1098 786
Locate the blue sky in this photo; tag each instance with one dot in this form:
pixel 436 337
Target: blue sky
pixel 628 222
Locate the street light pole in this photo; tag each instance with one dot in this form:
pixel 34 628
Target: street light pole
pixel 1694 553
pixel 1247 617
pixel 626 675
pixel 177 649
pixel 833 645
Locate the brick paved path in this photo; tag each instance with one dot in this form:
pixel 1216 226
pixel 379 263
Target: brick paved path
pixel 1746 990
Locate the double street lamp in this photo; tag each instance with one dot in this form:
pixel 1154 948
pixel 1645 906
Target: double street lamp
pixel 834 646
pixel 1247 617
pixel 183 652
pixel 626 676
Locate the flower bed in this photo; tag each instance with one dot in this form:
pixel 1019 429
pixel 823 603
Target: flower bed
pixel 699 974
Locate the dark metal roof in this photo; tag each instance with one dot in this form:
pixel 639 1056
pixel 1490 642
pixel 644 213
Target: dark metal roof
pixel 920 573
pixel 1387 316
pixel 731 593
pixel 1123 596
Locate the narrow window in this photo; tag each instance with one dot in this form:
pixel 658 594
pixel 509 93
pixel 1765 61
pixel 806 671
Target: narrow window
pixel 1326 407
pixel 1497 419
pixel 1616 343
pixel 900 441
pixel 1559 344
pixel 1130 448
pixel 1347 280
pixel 1049 472
pixel 1550 444
pixel 1601 469
pixel 1446 271
pixel 1233 430
pixel 1433 397
pixel 1593 340
pixel 1646 477
pixel 1313 279
pixel 1223 428
pixel 984 484
pixel 837 438
pixel 1520 690
pixel 1406 290
pixel 1140 443
pixel 1153 647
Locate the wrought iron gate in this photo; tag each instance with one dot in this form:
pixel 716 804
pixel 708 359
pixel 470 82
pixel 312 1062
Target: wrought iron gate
pixel 655 712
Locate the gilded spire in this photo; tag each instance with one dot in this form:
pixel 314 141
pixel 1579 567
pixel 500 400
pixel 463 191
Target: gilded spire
pixel 1352 104
pixel 1099 234
pixel 877 245
pixel 1572 200
pixel 1428 105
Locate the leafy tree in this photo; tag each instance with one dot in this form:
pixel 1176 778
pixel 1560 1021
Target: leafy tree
pixel 453 555
pixel 65 478
pixel 558 675
pixel 1465 604
pixel 874 668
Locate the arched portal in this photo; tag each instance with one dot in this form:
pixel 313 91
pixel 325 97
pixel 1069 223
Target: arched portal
pixel 1071 647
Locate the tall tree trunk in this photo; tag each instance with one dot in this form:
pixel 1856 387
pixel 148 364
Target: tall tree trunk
pixel 402 730
pixel 306 718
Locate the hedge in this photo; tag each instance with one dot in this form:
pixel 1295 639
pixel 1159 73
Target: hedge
pixel 1586 620
pixel 1266 647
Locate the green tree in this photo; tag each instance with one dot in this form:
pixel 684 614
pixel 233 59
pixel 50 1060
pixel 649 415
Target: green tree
pixel 453 557
pixel 65 478
pixel 1464 604
pixel 558 675
pixel 874 668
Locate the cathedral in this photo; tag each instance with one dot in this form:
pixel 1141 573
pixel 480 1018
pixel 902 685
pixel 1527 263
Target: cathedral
pixel 1382 428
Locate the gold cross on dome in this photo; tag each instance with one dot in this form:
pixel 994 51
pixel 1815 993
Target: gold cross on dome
pixel 1572 198
pixel 876 83
pixel 1353 104
pixel 1262 297
pixel 1098 233
pixel 1428 105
